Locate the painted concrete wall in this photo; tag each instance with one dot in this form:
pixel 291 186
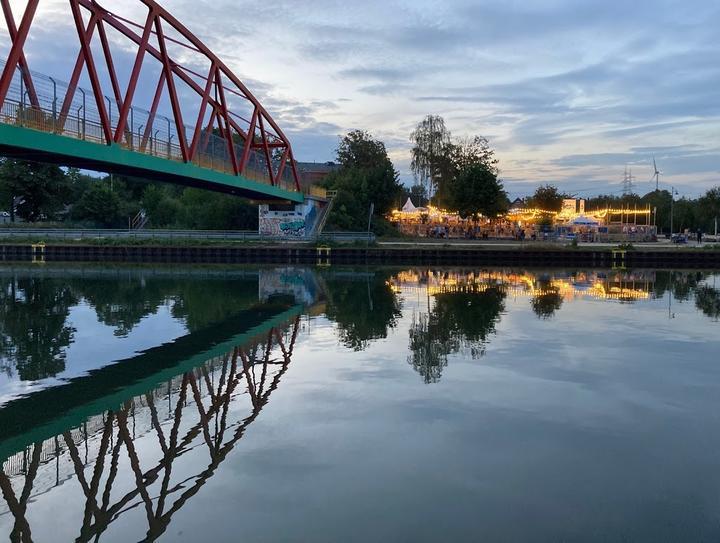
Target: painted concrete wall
pixel 299 223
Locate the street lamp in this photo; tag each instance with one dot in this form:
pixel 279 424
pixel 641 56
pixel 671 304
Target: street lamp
pixel 673 192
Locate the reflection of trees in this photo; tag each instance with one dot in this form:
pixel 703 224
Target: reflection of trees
pixel 34 334
pixel 362 310
pixel 662 284
pixel 123 303
pixel 202 303
pixel 458 321
pixel 207 416
pixel 683 284
pixel 547 301
pixel 33 329
pixel 707 300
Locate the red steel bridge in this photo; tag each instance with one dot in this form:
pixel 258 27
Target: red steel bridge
pixel 216 134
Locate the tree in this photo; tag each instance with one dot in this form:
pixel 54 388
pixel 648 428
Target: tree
pixel 206 210
pixel 659 200
pixel 161 205
pixel 366 176
pixel 430 152
pixel 476 151
pixel 477 190
pixel 100 206
pixel 547 198
pixel 35 191
pixel 709 210
pixel 418 194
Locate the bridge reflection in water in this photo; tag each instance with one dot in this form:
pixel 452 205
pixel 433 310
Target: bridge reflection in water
pixel 207 408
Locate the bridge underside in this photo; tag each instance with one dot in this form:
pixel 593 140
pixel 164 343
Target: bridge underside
pixel 29 144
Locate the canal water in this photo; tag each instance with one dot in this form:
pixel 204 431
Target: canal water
pixel 354 404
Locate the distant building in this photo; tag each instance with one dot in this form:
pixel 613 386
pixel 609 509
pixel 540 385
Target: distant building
pixel 518 204
pixel 312 173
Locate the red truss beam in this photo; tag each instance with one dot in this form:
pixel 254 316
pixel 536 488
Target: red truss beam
pixel 262 135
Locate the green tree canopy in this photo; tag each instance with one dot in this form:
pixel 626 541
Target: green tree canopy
pixel 36 191
pixel 101 206
pixel 708 211
pixel 366 176
pixel 477 190
pixel 548 198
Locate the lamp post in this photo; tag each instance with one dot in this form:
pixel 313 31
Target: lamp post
pixel 672 210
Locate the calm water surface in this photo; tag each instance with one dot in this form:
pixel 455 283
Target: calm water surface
pixel 300 404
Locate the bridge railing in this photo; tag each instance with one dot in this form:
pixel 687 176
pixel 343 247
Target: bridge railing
pixel 75 115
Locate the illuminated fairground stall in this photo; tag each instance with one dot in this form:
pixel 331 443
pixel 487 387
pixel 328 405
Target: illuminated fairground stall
pixel 576 222
pixel 526 223
pixel 432 222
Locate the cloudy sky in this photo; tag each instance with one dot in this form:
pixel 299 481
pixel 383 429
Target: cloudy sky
pixel 568 91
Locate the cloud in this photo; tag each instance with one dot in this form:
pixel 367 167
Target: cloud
pixel 568 90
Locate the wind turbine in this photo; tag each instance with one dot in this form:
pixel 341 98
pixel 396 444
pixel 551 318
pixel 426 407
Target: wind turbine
pixel 656 175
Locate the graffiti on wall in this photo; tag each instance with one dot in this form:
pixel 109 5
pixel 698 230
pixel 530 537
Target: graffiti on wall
pixel 285 227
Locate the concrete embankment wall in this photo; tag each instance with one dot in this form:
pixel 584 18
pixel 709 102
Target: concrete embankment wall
pixel 248 254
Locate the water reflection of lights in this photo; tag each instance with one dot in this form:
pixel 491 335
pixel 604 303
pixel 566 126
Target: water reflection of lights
pixel 588 285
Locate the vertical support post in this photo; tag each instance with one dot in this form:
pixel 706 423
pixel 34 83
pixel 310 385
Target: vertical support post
pixel 54 105
pixel 16 51
pixel 169 152
pixel 84 117
pixel 109 112
pixel 21 115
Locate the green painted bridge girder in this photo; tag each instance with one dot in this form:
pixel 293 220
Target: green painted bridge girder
pixel 22 142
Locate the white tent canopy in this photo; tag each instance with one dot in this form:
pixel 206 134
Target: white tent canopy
pixel 582 220
pixel 409 207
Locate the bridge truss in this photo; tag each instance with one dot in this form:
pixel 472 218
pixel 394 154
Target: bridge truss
pixel 216 123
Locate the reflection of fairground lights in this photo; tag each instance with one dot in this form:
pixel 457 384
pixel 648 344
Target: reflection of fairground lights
pixel 519 285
